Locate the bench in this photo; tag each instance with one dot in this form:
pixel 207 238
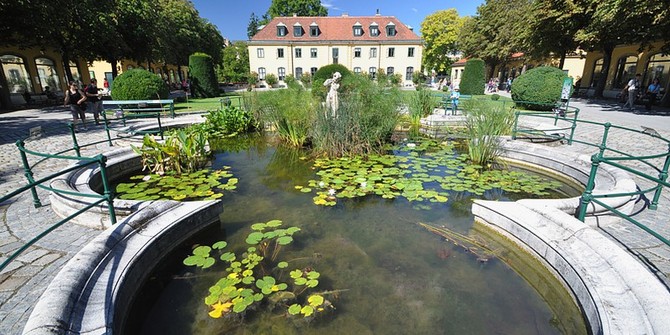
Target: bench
pixel 123 107
pixel 446 100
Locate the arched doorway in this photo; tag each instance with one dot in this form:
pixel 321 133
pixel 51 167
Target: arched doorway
pixel 18 79
pixel 597 72
pixel 46 72
pixel 625 71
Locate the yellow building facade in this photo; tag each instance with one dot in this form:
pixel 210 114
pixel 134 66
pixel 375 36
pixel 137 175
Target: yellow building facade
pixel 169 73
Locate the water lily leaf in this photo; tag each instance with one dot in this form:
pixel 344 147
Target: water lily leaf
pixel 306 190
pixel 202 250
pixel 239 308
pixel 209 261
pixel 219 245
pixel 258 226
pixel 284 240
pixel 193 260
pixel 301 281
pixel 274 223
pixel 313 275
pixel 315 300
pixel 282 265
pixel 312 283
pixel 294 309
pixel 296 274
pixel 307 310
pixel 227 257
pixel 254 238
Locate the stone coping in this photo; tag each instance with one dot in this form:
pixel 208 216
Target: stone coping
pixel 617 294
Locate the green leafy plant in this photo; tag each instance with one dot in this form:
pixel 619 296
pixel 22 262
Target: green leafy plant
pixel 199 185
pixel 306 80
pixel 485 121
pixel 138 84
pixel 271 79
pixel 229 121
pixel 203 76
pixel 538 88
pixel 290 112
pixel 256 277
pixel 326 72
pixel 182 152
pixel 473 80
pixel 420 105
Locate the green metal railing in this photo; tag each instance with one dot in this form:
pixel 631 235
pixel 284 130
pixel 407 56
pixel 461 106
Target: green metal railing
pixel 566 115
pixel 610 156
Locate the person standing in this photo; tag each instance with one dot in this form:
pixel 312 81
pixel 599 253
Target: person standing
pixel 632 88
pixel 95 104
pixel 455 95
pixel 652 91
pixel 75 98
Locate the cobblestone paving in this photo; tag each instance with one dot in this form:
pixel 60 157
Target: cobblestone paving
pixel 25 279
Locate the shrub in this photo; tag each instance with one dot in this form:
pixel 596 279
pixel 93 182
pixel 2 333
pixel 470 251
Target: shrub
pixel 472 82
pixel 326 72
pixel 396 79
pixel 541 87
pixel 203 77
pixel 365 120
pixel 495 97
pixel 418 78
pixel 252 80
pixel 139 84
pixel 292 82
pixel 271 79
pixel 306 80
pixel 228 121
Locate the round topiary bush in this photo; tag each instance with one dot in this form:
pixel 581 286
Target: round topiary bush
pixel 473 80
pixel 538 88
pixel 138 84
pixel 203 77
pixel 326 72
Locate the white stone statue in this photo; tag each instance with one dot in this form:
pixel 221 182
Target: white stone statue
pixel 332 100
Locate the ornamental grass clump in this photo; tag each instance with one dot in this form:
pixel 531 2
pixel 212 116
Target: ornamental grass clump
pixel 485 121
pixel 290 112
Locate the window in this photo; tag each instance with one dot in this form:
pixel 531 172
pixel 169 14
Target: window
pixel 597 72
pixel 298 53
pixel 358 30
pixel 16 73
pixel 374 30
pixel 373 52
pixel 281 30
pixel 312 71
pixel 409 73
pixel 313 30
pixel 74 69
pixel 659 67
pixel 391 52
pixel 280 53
pixel 297 30
pixel 260 53
pixel 46 71
pixel 410 52
pixel 625 71
pixel 373 72
pixel 281 73
pixel 312 52
pixel 389 70
pixel 261 73
pixel 298 72
pixel 357 70
pixel 357 52
pixel 336 55
pixel 390 29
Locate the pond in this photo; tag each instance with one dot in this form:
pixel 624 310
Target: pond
pixel 383 264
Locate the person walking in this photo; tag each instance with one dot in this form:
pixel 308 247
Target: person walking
pixel 94 105
pixel 632 89
pixel 75 98
pixel 652 92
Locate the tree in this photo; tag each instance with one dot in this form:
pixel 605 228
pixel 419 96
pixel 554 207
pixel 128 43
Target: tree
pixel 298 7
pixel 203 79
pixel 235 63
pixel 252 27
pixel 440 34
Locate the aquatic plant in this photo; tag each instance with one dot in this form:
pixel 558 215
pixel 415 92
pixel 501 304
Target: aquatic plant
pixel 420 105
pixel 228 121
pixel 485 121
pixel 199 185
pixel 255 276
pixel 290 112
pixel 181 152
pixel 423 171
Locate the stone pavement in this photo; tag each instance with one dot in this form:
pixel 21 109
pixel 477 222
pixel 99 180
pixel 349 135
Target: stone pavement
pixel 22 283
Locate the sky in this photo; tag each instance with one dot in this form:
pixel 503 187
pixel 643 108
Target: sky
pixel 232 16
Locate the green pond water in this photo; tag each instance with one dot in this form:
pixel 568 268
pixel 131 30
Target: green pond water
pixel 391 275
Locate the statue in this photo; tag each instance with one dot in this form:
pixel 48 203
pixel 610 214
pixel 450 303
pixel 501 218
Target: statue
pixel 332 100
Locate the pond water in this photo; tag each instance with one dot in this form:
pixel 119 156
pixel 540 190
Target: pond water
pixel 388 274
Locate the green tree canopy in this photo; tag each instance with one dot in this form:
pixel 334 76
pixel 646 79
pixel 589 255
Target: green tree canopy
pixel 235 63
pixel 298 7
pixel 252 27
pixel 440 34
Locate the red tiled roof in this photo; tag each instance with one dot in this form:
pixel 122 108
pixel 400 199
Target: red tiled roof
pixel 335 28
pixel 461 61
pixel 517 54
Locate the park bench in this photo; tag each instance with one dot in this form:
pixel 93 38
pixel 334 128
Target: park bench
pixel 446 100
pixel 123 108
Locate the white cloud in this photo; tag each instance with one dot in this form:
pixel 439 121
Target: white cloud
pixel 329 5
pixel 415 10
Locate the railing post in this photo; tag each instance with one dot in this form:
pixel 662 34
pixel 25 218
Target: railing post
pixel 573 127
pixel 587 196
pixel 104 119
pixel 516 124
pixel 74 139
pixel 603 143
pixel 109 195
pixel 160 126
pixel 663 176
pixel 172 109
pixel 28 173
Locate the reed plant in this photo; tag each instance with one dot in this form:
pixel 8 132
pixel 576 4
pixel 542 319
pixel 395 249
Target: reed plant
pixel 420 106
pixel 485 121
pixel 289 111
pixel 367 116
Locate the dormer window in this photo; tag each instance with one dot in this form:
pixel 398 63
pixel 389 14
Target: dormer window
pixel 313 30
pixel 390 29
pixel 374 29
pixel 281 30
pixel 297 30
pixel 358 29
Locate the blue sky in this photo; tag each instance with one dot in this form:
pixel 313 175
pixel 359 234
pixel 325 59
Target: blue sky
pixel 232 16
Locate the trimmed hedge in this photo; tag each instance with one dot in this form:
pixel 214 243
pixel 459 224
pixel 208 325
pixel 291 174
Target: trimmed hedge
pixel 473 80
pixel 203 77
pixel 326 72
pixel 138 84
pixel 541 87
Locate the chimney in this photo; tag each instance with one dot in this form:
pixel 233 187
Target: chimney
pixel 345 14
pixel 295 15
pixel 410 28
pixel 377 14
